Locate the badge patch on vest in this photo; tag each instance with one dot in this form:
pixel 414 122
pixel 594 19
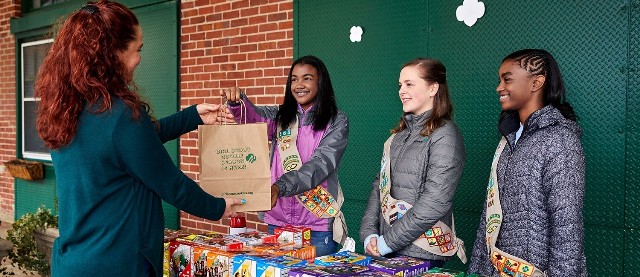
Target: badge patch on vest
pixel 284 139
pixel 319 201
pixel 511 268
pixel 291 162
pixel 436 237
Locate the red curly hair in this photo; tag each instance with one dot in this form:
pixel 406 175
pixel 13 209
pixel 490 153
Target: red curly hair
pixel 83 69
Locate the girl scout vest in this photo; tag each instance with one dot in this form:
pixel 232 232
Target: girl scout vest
pixel 507 265
pixel 318 200
pixel 440 239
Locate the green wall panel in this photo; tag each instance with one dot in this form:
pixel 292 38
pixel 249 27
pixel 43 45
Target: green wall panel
pixel 604 248
pixel 364 74
pixel 157 74
pixel 632 253
pixel 353 210
pixel 633 124
pixel 32 194
pixel 595 43
pixel 589 40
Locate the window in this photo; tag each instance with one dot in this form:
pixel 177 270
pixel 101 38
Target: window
pixel 32 54
pixel 36 4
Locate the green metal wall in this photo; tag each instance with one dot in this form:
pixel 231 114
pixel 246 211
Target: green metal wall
pixel 157 74
pixel 632 144
pixel 596 45
pixel 32 194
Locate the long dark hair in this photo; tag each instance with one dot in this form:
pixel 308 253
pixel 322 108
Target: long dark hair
pixel 324 107
pixel 541 62
pixel 432 71
pixel 83 68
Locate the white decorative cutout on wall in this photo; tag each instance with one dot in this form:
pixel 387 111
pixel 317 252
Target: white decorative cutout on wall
pixel 356 34
pixel 470 11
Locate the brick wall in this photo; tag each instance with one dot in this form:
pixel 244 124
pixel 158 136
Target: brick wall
pixel 246 43
pixel 8 9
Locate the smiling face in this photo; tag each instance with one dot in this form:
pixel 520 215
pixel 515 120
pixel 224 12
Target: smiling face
pixel 304 85
pixel 130 57
pixel 415 93
pixel 519 90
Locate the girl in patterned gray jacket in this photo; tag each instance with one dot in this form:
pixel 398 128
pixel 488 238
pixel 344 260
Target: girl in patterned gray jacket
pixel 532 222
pixel 410 209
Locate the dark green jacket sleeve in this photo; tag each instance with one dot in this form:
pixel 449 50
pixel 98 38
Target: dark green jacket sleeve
pixel 142 155
pixel 178 124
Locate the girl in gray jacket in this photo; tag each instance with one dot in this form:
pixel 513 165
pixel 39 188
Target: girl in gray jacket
pixel 410 207
pixel 532 222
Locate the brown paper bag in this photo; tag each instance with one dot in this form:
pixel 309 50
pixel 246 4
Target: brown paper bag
pixel 234 162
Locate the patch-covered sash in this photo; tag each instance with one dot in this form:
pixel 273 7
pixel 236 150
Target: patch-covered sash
pixel 318 200
pixel 440 239
pixel 507 265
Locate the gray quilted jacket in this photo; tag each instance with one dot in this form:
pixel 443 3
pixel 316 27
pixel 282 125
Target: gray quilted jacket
pixel 424 173
pixel 541 181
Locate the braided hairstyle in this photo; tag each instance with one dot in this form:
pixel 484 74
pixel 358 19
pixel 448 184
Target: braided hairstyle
pixel 540 62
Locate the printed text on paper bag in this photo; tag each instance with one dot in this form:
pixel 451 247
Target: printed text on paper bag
pixel 232 159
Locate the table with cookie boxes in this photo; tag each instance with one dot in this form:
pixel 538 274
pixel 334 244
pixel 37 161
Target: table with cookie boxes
pixel 285 253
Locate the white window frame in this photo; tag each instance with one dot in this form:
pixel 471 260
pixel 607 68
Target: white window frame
pixel 23 99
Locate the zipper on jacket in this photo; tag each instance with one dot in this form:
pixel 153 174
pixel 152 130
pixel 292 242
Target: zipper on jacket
pixel 402 150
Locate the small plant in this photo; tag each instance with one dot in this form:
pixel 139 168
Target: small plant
pixel 25 253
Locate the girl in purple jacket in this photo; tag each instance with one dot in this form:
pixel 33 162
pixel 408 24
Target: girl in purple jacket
pixel 308 137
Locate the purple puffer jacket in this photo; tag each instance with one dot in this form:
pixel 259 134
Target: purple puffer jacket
pixel 321 153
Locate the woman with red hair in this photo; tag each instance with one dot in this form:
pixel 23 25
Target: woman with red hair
pixel 111 167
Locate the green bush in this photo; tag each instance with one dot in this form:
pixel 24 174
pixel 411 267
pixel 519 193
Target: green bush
pixel 24 253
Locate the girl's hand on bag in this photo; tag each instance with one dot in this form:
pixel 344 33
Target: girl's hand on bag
pixel 230 94
pixel 372 247
pixel 232 206
pixel 212 113
pixel 275 191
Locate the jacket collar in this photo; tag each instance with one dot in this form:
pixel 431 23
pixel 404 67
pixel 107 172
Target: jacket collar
pixel 542 118
pixel 305 116
pixel 416 122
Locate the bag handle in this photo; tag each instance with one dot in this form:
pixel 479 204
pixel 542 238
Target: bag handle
pixel 243 108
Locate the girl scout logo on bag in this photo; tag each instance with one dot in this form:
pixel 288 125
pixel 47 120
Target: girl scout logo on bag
pixel 251 158
pixel 440 239
pixel 507 265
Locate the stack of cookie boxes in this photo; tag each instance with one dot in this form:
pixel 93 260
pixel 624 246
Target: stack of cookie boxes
pixel 212 254
pixel 264 265
pixel 354 265
pixel 257 254
pixel 169 236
